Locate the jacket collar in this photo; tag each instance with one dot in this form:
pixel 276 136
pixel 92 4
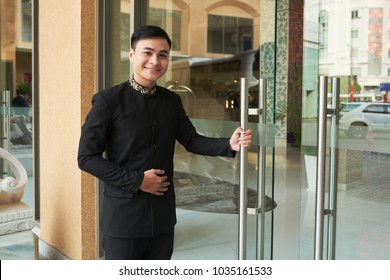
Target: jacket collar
pixel 144 90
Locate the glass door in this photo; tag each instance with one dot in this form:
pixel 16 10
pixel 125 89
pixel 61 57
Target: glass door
pixel 347 40
pixel 16 132
pixel 289 45
pixel 214 46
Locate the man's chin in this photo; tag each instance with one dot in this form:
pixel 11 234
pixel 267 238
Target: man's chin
pixel 154 77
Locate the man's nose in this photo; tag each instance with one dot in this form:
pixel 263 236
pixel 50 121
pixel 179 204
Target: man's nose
pixel 154 59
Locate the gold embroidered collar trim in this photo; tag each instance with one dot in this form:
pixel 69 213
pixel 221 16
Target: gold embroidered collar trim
pixel 140 88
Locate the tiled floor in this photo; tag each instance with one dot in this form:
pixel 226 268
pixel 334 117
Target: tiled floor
pixel 17 246
pixel 363 224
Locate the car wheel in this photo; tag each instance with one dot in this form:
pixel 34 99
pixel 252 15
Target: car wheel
pixel 357 130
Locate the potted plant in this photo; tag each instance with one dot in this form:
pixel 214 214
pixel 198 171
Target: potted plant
pixel 292 137
pixel 23 87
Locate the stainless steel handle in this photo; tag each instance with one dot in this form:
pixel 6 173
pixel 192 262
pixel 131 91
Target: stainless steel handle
pixel 260 219
pixel 321 160
pixel 333 161
pixel 5 119
pixel 242 238
pixel 5 127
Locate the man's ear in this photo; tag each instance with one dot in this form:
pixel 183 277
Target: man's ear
pixel 131 53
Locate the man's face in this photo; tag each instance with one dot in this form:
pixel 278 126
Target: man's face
pixel 150 60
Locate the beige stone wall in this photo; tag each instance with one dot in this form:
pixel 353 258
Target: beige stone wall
pixel 67 72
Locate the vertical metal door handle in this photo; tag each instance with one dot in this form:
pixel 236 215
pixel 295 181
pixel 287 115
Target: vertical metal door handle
pixel 243 175
pixel 321 160
pixel 260 219
pixel 333 168
pixel 5 128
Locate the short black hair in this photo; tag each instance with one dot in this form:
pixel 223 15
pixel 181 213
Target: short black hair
pixel 149 31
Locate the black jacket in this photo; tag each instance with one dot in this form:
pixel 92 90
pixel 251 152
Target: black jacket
pixel 137 132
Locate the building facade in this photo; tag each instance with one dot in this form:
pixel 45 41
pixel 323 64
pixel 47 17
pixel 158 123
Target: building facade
pixel 66 51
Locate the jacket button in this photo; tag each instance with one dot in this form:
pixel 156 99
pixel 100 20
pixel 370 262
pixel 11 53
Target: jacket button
pixel 126 189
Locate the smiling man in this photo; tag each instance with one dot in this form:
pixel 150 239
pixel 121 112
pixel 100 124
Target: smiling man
pixel 136 125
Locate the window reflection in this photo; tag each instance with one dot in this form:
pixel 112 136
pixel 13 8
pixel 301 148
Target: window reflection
pixel 161 17
pixel 26 12
pixel 229 35
pixel 213 47
pixel 215 84
pixel 16 95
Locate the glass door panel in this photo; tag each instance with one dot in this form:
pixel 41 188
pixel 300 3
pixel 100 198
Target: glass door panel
pixel 349 40
pixel 16 131
pixel 214 45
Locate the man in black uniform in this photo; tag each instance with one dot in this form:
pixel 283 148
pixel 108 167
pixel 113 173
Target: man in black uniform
pixel 136 124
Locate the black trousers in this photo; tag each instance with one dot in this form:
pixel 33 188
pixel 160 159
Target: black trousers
pixel 153 248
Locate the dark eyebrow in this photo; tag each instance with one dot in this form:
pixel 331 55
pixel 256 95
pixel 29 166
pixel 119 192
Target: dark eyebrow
pixel 151 49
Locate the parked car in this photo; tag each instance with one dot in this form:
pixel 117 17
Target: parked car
pixel 356 119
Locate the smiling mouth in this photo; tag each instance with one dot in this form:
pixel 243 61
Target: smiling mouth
pixel 153 69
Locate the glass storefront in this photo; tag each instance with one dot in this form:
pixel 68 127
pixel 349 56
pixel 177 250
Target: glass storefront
pixel 16 89
pixel 219 46
pixel 209 56
pixel 326 192
pixel 305 52
pixel 347 42
pixel 289 45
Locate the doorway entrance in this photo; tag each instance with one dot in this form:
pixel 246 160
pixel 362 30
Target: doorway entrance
pixel 290 46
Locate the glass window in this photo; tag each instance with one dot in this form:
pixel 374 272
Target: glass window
pixel 160 18
pixel 26 20
pixel 355 14
pixel 347 107
pixel 125 31
pixel 229 35
pixel 16 118
pixel 116 42
pixel 354 34
pixel 324 30
pixel 375 109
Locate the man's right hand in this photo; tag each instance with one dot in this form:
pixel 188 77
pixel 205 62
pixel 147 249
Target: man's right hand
pixel 154 182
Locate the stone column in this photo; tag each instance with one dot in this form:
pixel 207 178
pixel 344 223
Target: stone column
pixel 288 67
pixel 67 79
